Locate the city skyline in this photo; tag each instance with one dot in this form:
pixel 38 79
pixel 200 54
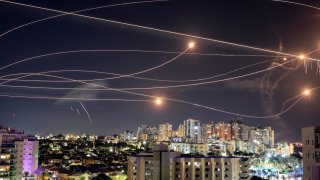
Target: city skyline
pixel 256 35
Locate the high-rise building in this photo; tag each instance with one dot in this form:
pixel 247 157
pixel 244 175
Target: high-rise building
pixel 152 166
pixel 284 148
pixel 180 131
pixel 260 139
pixel 147 133
pixel 189 148
pixel 223 131
pixel 26 161
pixel 208 132
pixel 165 165
pixel 165 132
pixel 192 130
pixel 18 154
pixel 127 135
pixel 311 153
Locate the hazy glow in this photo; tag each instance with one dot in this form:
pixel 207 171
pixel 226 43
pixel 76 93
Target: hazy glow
pixel 158 101
pixel 302 57
pixel 306 92
pixel 191 45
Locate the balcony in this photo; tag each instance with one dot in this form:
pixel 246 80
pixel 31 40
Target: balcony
pixel 7 146
pixel 6 151
pixel 4 163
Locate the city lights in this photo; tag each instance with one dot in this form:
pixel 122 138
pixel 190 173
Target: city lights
pixel 185 97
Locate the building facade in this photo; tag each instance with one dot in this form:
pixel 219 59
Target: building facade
pixel 165 132
pixel 18 155
pixel 167 165
pixel 311 153
pixel 192 130
pixel 260 139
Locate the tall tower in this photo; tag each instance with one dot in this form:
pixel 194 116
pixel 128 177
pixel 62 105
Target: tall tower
pixel 192 130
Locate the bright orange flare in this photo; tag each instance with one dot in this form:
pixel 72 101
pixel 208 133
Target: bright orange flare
pixel 158 101
pixel 306 92
pixel 302 57
pixel 191 44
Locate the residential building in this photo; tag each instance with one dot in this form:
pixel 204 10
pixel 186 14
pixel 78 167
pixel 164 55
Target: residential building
pixel 147 133
pixel 189 148
pixel 166 165
pixel 192 130
pixel 311 153
pixel 127 135
pixel 26 162
pixel 223 131
pixel 18 154
pixel 260 139
pixel 165 132
pixel 207 132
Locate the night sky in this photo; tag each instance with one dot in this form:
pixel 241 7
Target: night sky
pixel 265 24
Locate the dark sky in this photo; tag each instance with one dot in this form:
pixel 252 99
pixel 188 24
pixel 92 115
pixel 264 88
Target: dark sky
pixel 262 23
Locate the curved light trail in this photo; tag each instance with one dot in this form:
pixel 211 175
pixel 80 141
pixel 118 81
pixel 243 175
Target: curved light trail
pixel 117 77
pixel 152 29
pixel 164 98
pixel 76 99
pixel 5 77
pixel 297 3
pixel 83 10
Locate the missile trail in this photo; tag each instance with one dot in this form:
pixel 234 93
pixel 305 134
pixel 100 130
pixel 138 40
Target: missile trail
pixel 158 87
pixel 85 109
pixel 83 10
pixel 76 99
pixel 173 86
pixel 150 28
pixel 125 50
pixel 170 99
pixel 135 77
pixel 297 3
pixel 117 77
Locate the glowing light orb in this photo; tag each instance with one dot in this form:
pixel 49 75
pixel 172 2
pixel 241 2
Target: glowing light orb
pixel 158 101
pixel 306 92
pixel 191 45
pixel 302 57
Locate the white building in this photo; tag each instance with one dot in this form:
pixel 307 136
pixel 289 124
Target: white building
pixel 190 148
pixel 127 135
pixel 311 153
pixel 202 168
pixel 260 139
pixel 165 165
pixel 192 130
